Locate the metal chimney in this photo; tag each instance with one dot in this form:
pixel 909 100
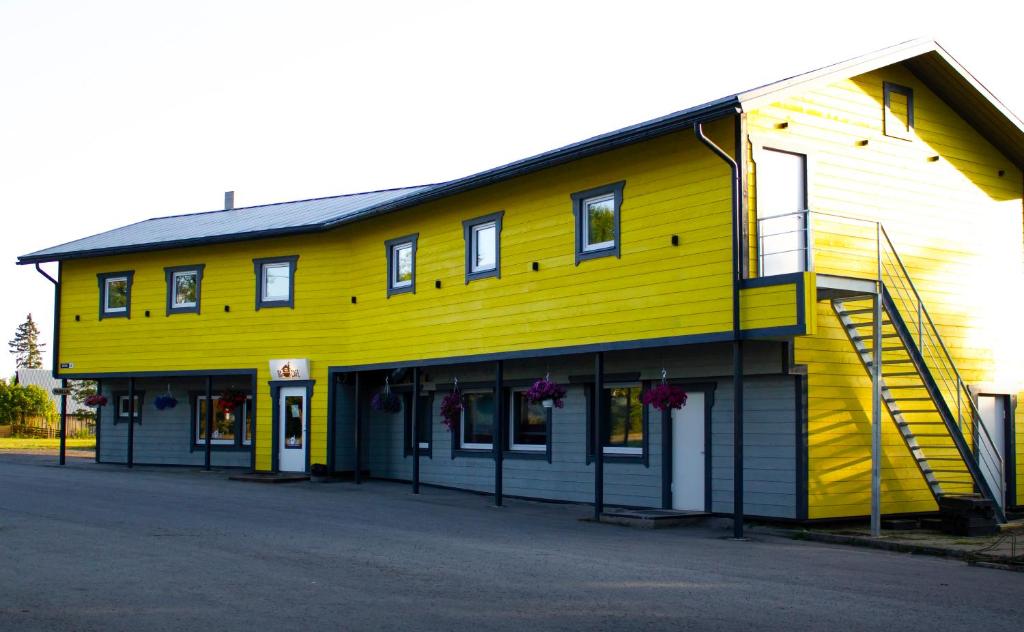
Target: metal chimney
pixel 229 200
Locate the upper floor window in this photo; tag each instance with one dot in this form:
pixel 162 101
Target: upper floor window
pixel 183 288
pixel 899 110
pixel 483 246
pixel 275 281
pixel 116 294
pixel 401 253
pixel 597 212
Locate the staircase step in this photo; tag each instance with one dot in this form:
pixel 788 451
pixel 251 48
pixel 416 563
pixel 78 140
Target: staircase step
pixel 899 373
pixel 892 387
pixel 866 310
pixel 908 399
pixel 913 411
pixel 871 336
pixel 867 323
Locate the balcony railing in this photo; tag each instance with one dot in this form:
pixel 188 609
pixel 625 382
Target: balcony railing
pixel 837 245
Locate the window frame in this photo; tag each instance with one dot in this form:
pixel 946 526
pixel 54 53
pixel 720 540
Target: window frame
pixel 425 421
pixel 238 443
pixel 888 89
pixel 470 228
pixel 170 274
pixel 259 269
pixel 104 278
pixel 579 204
pixel 514 396
pixel 391 247
pixel 117 396
pixel 475 448
pixel 614 453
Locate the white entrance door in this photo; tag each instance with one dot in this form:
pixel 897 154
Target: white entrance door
pixel 291 433
pixel 781 195
pixel 993 416
pixel 688 454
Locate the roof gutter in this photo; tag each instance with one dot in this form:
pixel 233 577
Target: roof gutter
pixel 737 341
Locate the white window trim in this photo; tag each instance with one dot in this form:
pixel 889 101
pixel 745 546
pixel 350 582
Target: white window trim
pixel 520 447
pixel 106 295
pixel 474 247
pixel 122 411
pixel 263 282
pixel 395 249
pixel 174 287
pixel 201 422
pixel 623 450
pixel 604 245
pixel 462 429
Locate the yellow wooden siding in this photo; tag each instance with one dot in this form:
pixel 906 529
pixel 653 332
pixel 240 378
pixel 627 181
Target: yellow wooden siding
pixel 957 225
pixel 674 185
pixel 1019 447
pixel 777 305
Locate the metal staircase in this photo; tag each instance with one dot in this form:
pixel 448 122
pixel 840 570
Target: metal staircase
pixel 922 389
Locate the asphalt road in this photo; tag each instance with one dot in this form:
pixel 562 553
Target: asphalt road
pixel 92 547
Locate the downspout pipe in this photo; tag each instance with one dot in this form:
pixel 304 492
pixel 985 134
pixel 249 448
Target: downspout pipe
pixel 737 339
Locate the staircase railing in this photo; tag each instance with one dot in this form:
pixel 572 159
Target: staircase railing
pixel 854 247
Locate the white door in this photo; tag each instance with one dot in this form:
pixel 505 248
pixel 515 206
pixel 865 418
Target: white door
pixel 781 194
pixel 291 433
pixel 993 417
pixel 688 454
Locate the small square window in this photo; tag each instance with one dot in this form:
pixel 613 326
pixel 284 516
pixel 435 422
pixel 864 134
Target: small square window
pixel 598 221
pixel 483 246
pixel 898 119
pixel 183 288
pixel 115 294
pixel 529 424
pixel 121 401
pixel 476 430
pixel 275 281
pixel 401 255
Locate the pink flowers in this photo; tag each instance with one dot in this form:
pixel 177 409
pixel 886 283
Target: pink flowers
pixel 451 409
pixel 546 390
pixel 664 397
pixel 96 400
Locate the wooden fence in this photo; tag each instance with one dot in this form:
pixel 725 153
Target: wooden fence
pixel 42 428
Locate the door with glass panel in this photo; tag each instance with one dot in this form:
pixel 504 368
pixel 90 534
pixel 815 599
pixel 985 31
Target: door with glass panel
pixel 291 429
pixel 781 212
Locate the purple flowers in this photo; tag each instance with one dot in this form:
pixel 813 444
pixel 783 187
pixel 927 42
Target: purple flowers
pixel 664 397
pixel 386 402
pixel 546 390
pixel 451 409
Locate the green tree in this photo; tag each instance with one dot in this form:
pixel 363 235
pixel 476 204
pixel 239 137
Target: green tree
pixel 18 402
pixel 26 347
pixel 80 391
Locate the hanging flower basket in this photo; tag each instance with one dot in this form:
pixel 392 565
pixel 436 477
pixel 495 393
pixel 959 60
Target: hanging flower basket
pixel 664 397
pixel 451 409
pixel 230 400
pixel 547 393
pixel 95 401
pixel 165 401
pixel 386 402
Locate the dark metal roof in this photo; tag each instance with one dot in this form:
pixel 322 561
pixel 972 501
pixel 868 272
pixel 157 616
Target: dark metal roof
pixel 926 58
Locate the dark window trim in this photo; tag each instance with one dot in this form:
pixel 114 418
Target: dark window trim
pixel 293 264
pixel 888 89
pixel 425 419
pixel 169 279
pixel 457 449
pixel 578 198
pixel 510 418
pixel 238 445
pixel 467 235
pixel 102 279
pixel 389 246
pixel 117 417
pixel 645 451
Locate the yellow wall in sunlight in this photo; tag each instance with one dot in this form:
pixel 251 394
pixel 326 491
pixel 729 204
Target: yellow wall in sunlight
pixel 955 222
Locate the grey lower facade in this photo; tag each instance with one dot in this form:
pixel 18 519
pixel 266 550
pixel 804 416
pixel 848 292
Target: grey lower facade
pixel 562 470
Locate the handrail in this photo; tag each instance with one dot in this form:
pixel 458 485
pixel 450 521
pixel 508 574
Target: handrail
pixel 891 272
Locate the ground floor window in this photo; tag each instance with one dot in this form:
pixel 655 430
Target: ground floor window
pixel 476 430
pixel 122 410
pixel 623 433
pixel 528 424
pixel 232 425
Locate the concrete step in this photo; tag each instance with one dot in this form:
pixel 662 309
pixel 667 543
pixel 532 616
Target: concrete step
pixel 652 518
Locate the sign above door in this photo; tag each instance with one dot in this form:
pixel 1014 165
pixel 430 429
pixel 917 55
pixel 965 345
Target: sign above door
pixel 291 369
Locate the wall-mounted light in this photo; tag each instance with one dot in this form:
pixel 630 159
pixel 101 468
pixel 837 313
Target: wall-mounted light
pixel 782 125
pixel 227 308
pixel 437 284
pixel 78 317
pixel 147 313
pixel 675 240
pixel 353 300
pixel 933 158
pixel 535 266
pixel 1002 173
pixel 862 143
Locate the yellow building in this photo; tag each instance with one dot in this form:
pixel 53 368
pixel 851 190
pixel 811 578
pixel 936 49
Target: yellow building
pixel 736 251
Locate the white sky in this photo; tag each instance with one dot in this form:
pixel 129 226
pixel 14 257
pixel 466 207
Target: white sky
pixel 113 112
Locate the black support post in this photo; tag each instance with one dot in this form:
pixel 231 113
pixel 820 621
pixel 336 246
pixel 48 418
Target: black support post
pixel 497 428
pixel 415 429
pixel 667 454
pixel 598 427
pixel 63 419
pixel 737 449
pixel 131 421
pixel 358 424
pixel 209 423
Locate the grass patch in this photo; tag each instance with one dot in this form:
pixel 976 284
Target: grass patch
pixel 9 443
